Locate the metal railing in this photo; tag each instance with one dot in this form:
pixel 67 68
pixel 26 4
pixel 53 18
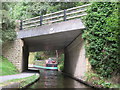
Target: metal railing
pixel 63 15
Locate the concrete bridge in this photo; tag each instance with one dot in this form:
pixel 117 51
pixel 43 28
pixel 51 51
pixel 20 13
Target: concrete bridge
pixel 55 31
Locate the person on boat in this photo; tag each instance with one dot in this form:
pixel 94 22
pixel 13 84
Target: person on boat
pixel 49 61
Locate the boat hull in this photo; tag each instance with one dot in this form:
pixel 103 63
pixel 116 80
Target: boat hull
pixel 48 67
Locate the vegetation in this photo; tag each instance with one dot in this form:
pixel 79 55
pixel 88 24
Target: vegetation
pixel 31 57
pixel 61 62
pixel 8 25
pixel 7 68
pixel 42 55
pixel 102 37
pixel 100 81
pixel 23 10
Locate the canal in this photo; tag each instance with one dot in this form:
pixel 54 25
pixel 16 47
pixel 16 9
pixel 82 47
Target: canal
pixel 55 79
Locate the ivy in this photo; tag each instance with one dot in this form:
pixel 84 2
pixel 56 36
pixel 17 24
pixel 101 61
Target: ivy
pixel 102 37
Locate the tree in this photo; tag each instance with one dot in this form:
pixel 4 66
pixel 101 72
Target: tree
pixel 23 10
pixel 8 25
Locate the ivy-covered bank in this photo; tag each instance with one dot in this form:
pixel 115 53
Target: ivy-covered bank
pixel 102 38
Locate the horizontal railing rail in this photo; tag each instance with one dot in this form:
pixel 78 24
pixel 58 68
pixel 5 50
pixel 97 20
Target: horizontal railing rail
pixel 63 15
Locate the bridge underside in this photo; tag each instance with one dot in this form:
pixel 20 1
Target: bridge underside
pixel 54 41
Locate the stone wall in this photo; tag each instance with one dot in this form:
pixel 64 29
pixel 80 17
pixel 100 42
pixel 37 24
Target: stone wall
pixel 12 50
pixel 75 62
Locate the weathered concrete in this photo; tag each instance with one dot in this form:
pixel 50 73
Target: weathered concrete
pixel 13 51
pixel 75 63
pixel 70 25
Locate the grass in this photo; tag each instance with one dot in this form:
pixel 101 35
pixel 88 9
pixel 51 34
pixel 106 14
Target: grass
pixel 29 80
pixel 23 81
pixel 6 67
pixel 100 81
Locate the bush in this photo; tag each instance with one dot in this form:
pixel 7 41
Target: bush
pixel 102 37
pixel 61 62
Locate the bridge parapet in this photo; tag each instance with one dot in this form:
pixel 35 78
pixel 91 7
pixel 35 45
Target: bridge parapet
pixel 63 15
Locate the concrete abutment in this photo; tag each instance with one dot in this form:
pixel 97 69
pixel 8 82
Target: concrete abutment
pixel 75 62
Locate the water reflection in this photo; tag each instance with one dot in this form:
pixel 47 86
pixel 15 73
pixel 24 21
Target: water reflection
pixel 54 79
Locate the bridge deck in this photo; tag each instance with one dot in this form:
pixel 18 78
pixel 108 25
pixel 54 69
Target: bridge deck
pixel 51 37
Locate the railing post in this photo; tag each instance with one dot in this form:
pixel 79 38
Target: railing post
pixel 20 24
pixel 40 20
pixel 65 15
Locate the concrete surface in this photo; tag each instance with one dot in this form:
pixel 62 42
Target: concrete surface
pixel 70 25
pixel 75 62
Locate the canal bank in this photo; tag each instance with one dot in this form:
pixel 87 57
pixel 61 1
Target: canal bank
pixel 20 80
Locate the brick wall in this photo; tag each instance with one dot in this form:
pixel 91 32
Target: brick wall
pixel 12 50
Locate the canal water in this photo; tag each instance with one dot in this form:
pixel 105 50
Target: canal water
pixel 55 79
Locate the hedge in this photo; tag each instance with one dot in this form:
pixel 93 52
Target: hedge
pixel 102 37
